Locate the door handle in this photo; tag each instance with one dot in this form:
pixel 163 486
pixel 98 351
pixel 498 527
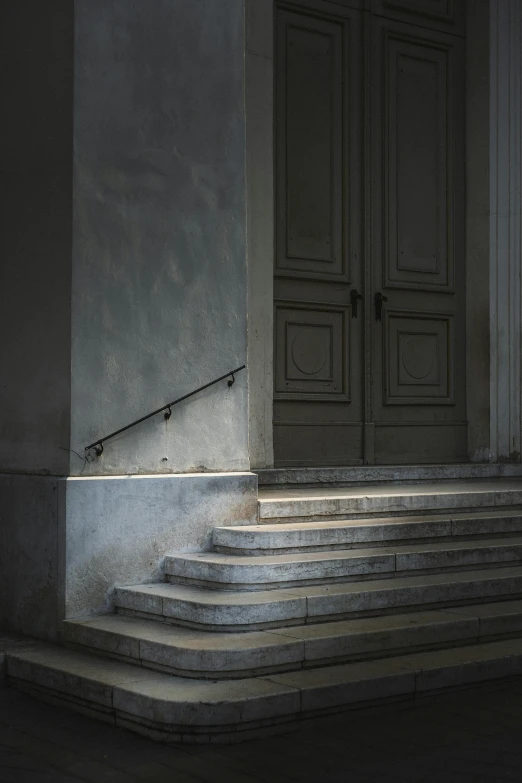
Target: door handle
pixel 379 299
pixel 354 298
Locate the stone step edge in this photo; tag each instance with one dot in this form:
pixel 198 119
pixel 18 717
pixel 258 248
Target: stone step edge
pixel 440 527
pixel 298 605
pixel 316 509
pixel 346 515
pixel 324 581
pixel 297 558
pixel 383 543
pixel 284 647
pixel 172 709
pixel 228 572
pixel 384 474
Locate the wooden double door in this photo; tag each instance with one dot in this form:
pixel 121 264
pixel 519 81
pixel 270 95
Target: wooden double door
pixel 369 317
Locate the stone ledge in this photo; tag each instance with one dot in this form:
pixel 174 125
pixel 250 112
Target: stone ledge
pixel 171 708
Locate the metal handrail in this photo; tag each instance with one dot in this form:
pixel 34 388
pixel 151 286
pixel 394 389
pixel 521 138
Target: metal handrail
pixel 97 445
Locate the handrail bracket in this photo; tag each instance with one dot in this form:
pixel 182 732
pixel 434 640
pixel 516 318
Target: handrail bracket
pixel 166 410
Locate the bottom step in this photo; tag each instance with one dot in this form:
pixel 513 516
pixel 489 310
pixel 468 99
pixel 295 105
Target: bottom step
pixel 174 709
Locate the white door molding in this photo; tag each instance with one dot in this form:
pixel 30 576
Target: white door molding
pixel 259 94
pixel 505 225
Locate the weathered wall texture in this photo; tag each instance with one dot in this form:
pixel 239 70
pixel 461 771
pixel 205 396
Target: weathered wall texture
pixel 259 104
pixel 123 286
pixel 119 529
pixel 36 50
pixel 159 267
pixel 66 542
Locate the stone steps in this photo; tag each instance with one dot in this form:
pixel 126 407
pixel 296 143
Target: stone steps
pixel 359 476
pixel 309 505
pixel 338 597
pixel 272 571
pixel 171 708
pixel 285 538
pixel 199 607
pixel 200 654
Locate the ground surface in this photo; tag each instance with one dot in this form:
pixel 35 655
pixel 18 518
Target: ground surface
pixel 469 735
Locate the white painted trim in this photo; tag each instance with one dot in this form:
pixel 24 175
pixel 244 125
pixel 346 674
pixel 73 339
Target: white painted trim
pixel 259 101
pixel 505 219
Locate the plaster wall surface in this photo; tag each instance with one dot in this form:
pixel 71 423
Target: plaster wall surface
pixel 259 103
pixel 159 248
pixel 65 543
pixel 36 52
pixel 118 529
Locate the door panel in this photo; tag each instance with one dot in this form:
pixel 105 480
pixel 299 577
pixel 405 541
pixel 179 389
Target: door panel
pixel 445 15
pixel 419 358
pixel 354 382
pixel 309 145
pixel 418 231
pixel 315 354
pixel 418 349
pixel 318 342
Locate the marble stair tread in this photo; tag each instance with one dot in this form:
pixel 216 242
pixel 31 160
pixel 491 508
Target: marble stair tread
pixel 255 572
pixel 268 538
pixel 229 609
pixel 315 503
pixel 154 697
pixel 176 708
pixel 184 650
pixel 251 572
pixel 200 653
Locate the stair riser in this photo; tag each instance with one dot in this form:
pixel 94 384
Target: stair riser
pixel 184 622
pixel 381 474
pixel 222 550
pixel 256 577
pixel 288 584
pixel 322 607
pixel 261 542
pixel 231 577
pixel 297 653
pixel 321 509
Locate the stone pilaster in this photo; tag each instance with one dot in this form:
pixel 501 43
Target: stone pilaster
pixel 505 220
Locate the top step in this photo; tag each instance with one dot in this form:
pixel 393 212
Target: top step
pixel 316 504
pixel 360 475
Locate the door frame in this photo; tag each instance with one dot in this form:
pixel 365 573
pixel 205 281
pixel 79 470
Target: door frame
pixel 492 271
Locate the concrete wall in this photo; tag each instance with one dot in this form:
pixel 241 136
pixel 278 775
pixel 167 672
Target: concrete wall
pixel 159 255
pixel 123 286
pixel 259 104
pixel 36 51
pixel 66 542
pixel 119 529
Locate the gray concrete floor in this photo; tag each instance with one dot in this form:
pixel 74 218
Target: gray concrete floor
pixel 468 735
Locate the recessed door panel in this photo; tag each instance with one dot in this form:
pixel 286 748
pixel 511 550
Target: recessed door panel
pixel 314 353
pixel 419 355
pixel 318 325
pixel 445 15
pixel 310 147
pixel 418 171
pixel 418 330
